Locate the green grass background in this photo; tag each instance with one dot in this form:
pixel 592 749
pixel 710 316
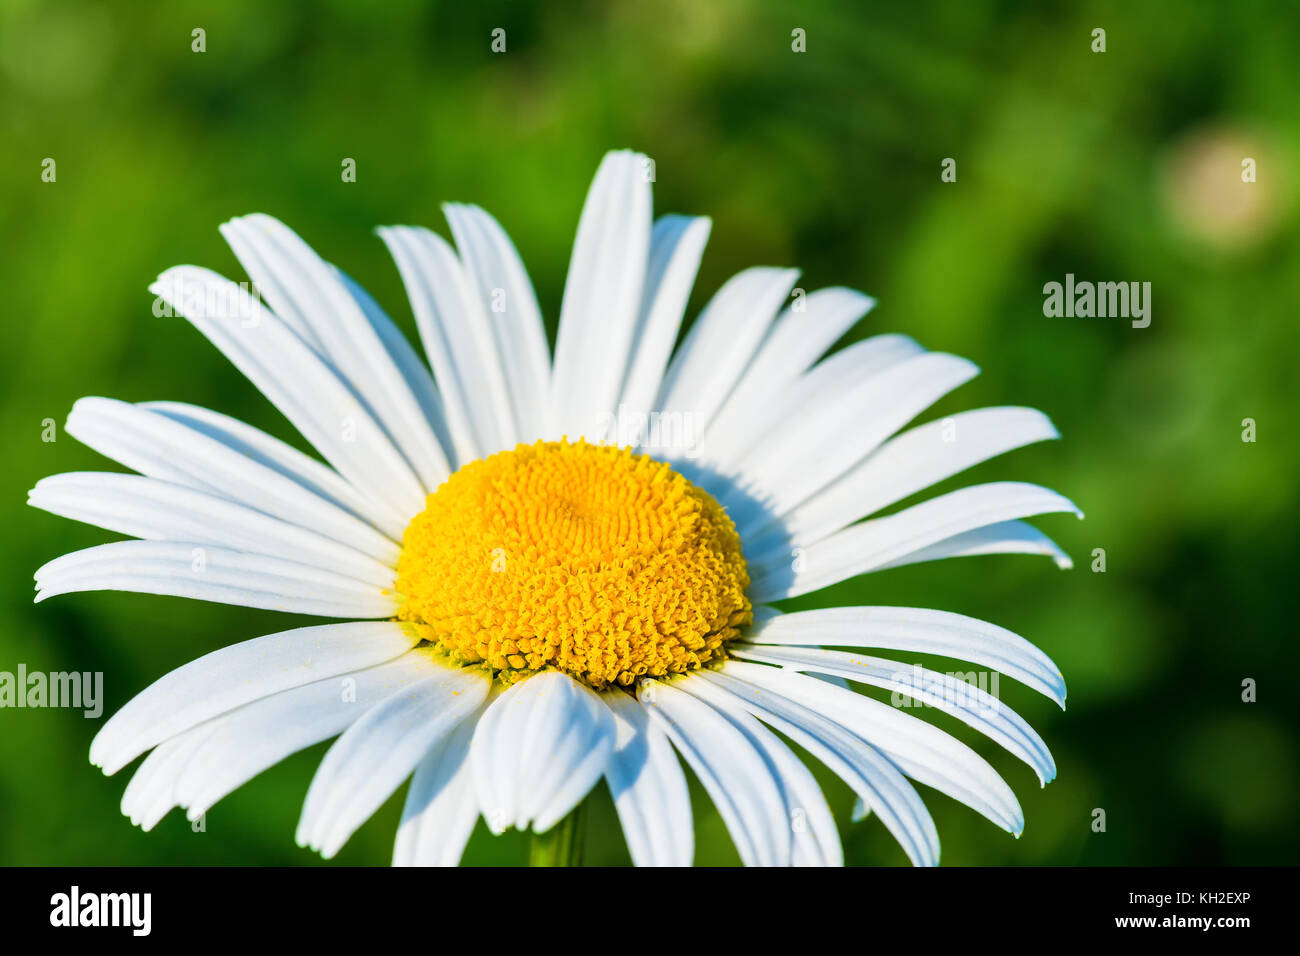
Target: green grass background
pixel 1067 160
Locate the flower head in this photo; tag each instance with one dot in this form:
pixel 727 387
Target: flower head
pixel 551 572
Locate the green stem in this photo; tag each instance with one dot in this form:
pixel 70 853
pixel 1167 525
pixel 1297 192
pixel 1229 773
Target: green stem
pixel 561 845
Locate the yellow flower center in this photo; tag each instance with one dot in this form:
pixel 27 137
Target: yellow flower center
pixel 602 563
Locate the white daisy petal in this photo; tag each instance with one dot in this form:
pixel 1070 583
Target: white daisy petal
pixel 602 296
pixel 814 839
pixel 832 679
pixel 722 342
pixel 209 573
pixel 748 427
pixel 915 460
pixel 297 381
pixel 802 457
pixel 161 511
pixel 440 810
pixel 310 288
pixel 923 752
pixel 409 364
pixel 799 337
pixel 1002 537
pixel 918 630
pixel 193 447
pixel 253 469
pixel 946 692
pixel 878 783
pixel 374 755
pixel 243 742
pixel 458 340
pixel 235 675
pixel 151 792
pixel 676 247
pixel 648 787
pixel 538 750
pixel 490 260
pixel 732 770
pixel 250 249
pixel 878 542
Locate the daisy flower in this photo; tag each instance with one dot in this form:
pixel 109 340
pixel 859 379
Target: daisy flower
pixel 553 572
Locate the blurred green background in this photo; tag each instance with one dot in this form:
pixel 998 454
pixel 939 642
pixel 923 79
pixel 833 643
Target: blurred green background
pixel 1123 165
